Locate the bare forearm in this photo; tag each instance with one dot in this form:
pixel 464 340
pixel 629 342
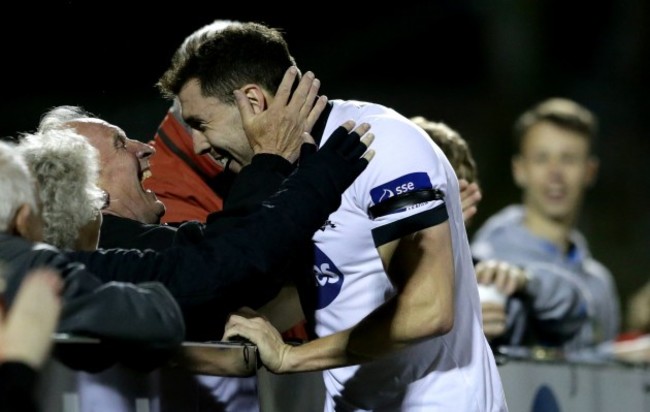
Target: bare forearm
pixel 323 353
pixel 384 331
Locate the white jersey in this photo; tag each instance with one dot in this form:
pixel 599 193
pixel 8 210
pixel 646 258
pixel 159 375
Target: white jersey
pixel 456 371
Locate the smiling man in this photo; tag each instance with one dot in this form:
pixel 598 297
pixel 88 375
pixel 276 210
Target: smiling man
pixel 123 166
pixel 554 166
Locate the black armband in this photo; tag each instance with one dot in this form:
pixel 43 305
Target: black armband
pixel 403 200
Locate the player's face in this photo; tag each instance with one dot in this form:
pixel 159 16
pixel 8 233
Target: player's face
pixel 216 127
pixel 554 169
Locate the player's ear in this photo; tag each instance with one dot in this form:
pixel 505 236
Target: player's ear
pixel 256 96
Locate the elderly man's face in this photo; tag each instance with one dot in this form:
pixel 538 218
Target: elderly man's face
pixel 124 164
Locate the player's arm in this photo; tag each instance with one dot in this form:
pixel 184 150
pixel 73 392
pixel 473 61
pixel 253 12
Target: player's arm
pixel 421 267
pixel 420 264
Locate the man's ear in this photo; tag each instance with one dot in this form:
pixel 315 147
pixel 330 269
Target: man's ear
pixel 20 224
pixel 26 224
pixel 518 174
pixel 593 164
pixel 256 96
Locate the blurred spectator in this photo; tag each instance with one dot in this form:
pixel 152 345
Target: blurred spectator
pixel 638 311
pixel 554 166
pixel 633 345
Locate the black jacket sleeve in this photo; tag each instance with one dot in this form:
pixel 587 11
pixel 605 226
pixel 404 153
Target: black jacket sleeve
pixel 120 232
pixel 256 182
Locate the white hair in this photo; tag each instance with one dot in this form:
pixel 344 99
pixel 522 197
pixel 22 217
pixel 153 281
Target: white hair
pixel 16 185
pixel 65 166
pixel 59 117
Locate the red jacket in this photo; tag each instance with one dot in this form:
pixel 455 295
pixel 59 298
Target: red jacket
pixel 179 175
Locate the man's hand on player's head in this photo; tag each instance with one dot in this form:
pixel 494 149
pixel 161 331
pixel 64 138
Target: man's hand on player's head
pixel 280 128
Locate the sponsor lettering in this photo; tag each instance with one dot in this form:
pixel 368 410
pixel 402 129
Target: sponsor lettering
pixel 403 184
pixel 328 278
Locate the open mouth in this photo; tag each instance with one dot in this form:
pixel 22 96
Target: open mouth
pixel 222 157
pixel 143 175
pixel 555 193
pixel 146 174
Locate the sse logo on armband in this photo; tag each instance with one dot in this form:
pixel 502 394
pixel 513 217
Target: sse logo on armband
pixel 328 279
pixel 404 184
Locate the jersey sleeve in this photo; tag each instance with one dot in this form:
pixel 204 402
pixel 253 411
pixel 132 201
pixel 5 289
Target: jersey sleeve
pixel 404 187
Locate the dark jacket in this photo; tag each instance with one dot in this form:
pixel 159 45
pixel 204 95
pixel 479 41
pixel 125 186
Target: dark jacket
pixel 138 325
pixel 123 233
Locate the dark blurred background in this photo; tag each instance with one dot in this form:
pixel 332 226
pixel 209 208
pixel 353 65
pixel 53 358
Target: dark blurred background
pixel 472 64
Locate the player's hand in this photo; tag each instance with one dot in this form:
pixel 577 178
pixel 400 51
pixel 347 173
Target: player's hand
pixel 247 324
